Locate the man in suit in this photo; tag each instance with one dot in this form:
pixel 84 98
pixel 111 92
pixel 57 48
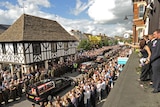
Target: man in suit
pixel 155 61
pixel 151 39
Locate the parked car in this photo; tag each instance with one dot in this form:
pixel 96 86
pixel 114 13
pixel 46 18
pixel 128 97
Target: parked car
pixel 46 89
pixel 85 66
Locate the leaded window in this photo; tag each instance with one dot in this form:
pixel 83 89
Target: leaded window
pixel 141 11
pixel 53 47
pixel 15 49
pixel 36 49
pixel 140 33
pixel 66 46
pixel 3 48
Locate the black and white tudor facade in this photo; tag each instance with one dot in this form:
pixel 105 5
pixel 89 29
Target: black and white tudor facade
pixel 33 39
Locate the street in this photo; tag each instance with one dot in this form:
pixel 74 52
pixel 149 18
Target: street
pixel 23 102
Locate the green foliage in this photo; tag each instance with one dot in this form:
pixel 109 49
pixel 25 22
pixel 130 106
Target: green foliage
pixel 100 44
pixel 115 42
pixel 85 45
pixel 110 43
pixel 105 42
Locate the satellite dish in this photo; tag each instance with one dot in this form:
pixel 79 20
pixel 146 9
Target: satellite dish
pixel 126 35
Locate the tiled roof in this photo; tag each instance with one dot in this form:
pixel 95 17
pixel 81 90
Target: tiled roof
pixel 32 28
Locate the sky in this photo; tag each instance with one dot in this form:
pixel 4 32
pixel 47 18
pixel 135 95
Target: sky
pixel 88 16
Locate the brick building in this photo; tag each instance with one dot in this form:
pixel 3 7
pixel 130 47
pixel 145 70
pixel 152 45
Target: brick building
pixel 138 21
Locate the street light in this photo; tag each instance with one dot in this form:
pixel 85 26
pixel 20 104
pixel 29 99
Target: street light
pixel 126 17
pixel 134 34
pixel 133 28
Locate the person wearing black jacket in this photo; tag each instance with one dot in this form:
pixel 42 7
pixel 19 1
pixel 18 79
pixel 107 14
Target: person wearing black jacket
pixel 155 61
pixel 93 96
pixel 81 98
pixel 70 104
pixel 149 43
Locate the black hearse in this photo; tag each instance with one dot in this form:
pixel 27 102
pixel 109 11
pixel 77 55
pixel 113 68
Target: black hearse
pixel 44 90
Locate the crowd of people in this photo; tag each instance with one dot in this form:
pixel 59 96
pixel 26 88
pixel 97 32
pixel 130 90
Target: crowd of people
pixel 11 86
pixel 98 84
pixel 91 89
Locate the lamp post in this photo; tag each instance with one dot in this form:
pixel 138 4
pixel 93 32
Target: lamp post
pixel 126 17
pixel 133 28
pixel 134 34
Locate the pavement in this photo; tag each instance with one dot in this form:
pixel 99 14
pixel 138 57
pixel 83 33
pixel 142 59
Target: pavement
pixel 129 92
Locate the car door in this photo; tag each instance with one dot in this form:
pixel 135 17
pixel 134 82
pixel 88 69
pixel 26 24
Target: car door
pixel 58 83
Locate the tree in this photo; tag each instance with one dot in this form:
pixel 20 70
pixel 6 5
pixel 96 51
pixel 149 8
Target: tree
pixel 112 42
pixel 105 42
pixel 100 44
pixel 115 42
pixel 85 45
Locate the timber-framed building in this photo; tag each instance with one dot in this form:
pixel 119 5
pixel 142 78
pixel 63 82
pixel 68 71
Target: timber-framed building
pixel 32 39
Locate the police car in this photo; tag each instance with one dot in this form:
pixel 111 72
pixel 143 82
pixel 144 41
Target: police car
pixel 44 90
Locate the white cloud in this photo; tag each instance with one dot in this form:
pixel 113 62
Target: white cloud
pixel 87 26
pixel 32 7
pixel 44 3
pixel 107 15
pixel 81 6
pixel 102 10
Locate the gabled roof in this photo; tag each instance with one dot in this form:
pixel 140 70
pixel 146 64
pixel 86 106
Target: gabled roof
pixel 32 28
pixel 78 35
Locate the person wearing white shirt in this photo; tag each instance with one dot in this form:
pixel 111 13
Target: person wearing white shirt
pixel 87 95
pixel 103 88
pixel 99 89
